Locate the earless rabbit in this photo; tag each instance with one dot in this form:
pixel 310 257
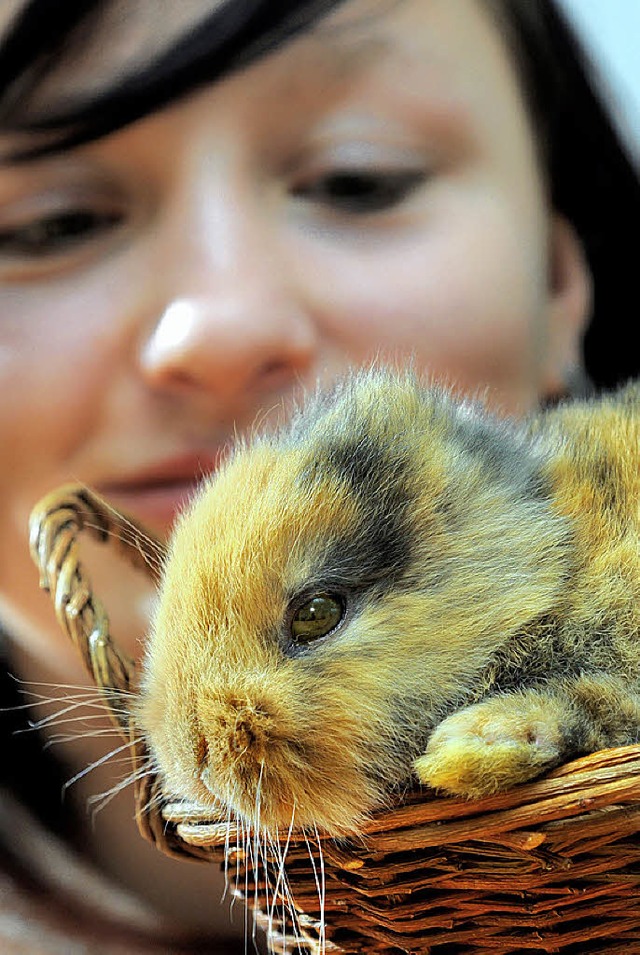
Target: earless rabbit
pixel 399 585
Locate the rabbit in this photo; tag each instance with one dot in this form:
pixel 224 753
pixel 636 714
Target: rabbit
pixel 398 586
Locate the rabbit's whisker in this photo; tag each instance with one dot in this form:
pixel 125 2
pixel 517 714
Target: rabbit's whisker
pixel 98 762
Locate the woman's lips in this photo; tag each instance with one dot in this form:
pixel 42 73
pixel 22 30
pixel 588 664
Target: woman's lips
pixel 154 495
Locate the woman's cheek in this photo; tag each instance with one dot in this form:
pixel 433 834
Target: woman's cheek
pixel 63 339
pixel 461 297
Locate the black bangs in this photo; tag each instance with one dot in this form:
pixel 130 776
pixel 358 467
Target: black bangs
pixel 233 34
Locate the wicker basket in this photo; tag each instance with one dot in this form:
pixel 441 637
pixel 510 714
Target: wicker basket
pixel 553 866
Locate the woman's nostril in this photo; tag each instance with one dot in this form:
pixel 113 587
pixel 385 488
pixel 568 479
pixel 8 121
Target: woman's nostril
pixel 275 367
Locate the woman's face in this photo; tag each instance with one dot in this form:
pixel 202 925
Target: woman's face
pixel 370 190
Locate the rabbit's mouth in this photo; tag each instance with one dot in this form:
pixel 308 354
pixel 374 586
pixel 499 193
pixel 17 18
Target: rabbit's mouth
pixel 258 763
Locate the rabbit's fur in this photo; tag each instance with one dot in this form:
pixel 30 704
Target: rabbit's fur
pixel 488 574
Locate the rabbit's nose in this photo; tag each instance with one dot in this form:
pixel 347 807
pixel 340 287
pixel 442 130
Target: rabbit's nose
pixel 250 733
pixel 234 730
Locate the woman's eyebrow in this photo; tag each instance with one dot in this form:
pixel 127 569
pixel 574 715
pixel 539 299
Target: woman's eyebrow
pixel 413 67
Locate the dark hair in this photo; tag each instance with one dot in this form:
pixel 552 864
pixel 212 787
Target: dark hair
pixel 591 179
pixel 233 34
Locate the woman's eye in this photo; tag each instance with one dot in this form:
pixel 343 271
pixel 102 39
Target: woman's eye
pixel 361 192
pixel 56 233
pixel 316 617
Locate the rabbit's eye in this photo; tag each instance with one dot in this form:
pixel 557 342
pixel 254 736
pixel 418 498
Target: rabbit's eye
pixel 316 617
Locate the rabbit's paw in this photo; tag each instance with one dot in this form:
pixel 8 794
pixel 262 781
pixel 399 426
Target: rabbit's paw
pixel 493 745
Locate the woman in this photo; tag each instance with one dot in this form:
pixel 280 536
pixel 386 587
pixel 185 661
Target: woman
pixel 206 206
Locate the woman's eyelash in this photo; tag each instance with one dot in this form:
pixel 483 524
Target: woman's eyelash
pixel 54 234
pixel 361 192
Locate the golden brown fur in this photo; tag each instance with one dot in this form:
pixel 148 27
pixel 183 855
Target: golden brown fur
pixel 488 576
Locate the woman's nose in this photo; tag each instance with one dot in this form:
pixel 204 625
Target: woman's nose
pixel 229 319
pixel 227 347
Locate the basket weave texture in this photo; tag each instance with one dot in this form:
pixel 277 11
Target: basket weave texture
pixel 552 866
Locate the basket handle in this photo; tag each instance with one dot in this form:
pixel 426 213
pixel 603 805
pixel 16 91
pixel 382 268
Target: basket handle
pixel 55 523
pixel 54 526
